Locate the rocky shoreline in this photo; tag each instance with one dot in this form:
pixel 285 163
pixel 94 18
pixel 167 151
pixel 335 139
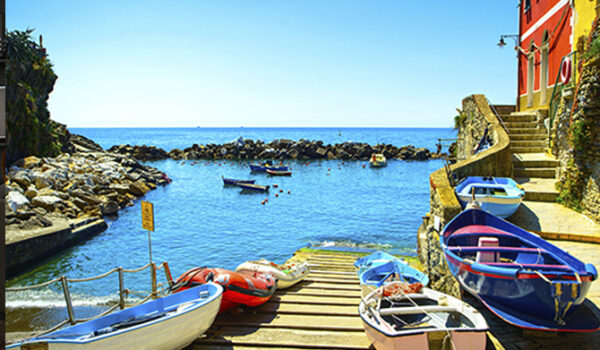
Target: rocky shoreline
pixel 41 191
pixel 280 149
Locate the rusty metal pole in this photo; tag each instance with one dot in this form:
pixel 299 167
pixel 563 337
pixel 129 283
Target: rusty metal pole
pixel 153 269
pixel 121 289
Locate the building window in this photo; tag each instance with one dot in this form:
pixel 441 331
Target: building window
pixel 526 5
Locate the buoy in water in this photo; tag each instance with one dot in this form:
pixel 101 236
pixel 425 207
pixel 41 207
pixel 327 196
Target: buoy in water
pixel 280 191
pixel 363 166
pixel 266 199
pixel 263 202
pixel 328 169
pixel 275 185
pixel 276 194
pixel 289 192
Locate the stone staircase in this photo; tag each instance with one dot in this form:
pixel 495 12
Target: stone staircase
pixel 532 167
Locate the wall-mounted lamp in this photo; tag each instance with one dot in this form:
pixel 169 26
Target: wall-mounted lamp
pixel 502 43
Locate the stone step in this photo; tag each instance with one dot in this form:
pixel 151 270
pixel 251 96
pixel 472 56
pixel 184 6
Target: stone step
pixel 514 131
pixel 533 163
pixel 538 189
pixel 515 149
pixel 546 173
pixel 530 136
pixel 528 143
pixel 519 118
pixel 511 125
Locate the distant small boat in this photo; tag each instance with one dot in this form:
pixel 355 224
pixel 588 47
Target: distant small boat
pixel 522 278
pixel 500 196
pixel 239 288
pixel 375 259
pixel 279 172
pixel 171 322
pixel 389 272
pixel 398 317
pixel 233 182
pixel 261 168
pixel 377 160
pixel 252 187
pixel 286 275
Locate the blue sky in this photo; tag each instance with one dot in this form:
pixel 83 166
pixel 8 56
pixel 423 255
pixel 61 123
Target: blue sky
pixel 271 63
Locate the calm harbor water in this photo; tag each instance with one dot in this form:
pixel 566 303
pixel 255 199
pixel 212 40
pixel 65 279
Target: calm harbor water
pixel 199 222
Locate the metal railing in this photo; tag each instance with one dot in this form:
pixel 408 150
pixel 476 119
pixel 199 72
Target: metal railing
pixel 557 90
pixel 498 116
pixel 158 289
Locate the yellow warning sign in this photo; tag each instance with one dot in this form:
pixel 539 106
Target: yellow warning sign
pixel 148 216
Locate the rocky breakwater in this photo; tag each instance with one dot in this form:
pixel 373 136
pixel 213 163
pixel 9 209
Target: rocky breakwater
pixel 49 199
pixel 277 149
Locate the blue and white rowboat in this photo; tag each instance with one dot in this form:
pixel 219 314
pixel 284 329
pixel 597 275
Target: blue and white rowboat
pixel 520 277
pixel 170 322
pixel 392 271
pixel 263 168
pixel 500 196
pixel 375 259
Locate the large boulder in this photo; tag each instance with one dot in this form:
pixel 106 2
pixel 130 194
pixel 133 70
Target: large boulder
pixel 422 154
pixel 109 208
pixel 321 152
pixel 46 202
pixel 22 178
pixel 138 188
pixel 31 162
pixel 16 200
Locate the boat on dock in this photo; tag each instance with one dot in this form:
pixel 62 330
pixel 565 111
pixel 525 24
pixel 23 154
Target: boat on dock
pixel 234 182
pixel 286 275
pixel 252 187
pixel 279 172
pixel 523 279
pixel 377 160
pixel 239 288
pixel 395 317
pixel 390 272
pixel 375 259
pixel 500 196
pixel 171 322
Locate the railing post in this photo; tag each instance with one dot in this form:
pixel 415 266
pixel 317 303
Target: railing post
pixel 68 299
pixel 121 289
pixel 153 271
pixel 168 273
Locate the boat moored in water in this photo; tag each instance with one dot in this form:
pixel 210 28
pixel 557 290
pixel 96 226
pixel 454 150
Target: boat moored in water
pixel 252 187
pixel 279 172
pixel 523 279
pixel 170 322
pixel 261 168
pixel 377 160
pixel 286 275
pixel 234 182
pixel 500 196
pixel 399 316
pixel 239 288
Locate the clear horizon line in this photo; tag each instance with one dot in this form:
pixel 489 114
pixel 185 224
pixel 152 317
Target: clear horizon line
pixel 256 127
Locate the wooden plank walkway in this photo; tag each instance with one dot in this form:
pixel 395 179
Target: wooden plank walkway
pixel 321 312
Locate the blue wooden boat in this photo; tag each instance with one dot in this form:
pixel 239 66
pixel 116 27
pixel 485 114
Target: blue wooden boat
pixel 233 182
pixel 261 168
pixel 391 271
pixel 252 187
pixel 500 196
pixel 171 322
pixel 520 277
pixel 375 259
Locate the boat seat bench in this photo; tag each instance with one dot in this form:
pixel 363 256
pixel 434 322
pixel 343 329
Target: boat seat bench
pixel 416 310
pixel 496 249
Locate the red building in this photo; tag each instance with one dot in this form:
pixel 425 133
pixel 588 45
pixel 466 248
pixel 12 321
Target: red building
pixel 545 36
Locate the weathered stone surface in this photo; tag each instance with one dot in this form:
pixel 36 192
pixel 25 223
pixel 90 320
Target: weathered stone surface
pixel 46 202
pixel 22 178
pixel 16 200
pixel 138 188
pixel 31 162
pixel 109 208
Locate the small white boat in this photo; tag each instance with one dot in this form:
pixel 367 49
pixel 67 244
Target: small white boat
pixel 377 160
pixel 286 275
pixel 171 322
pixel 420 320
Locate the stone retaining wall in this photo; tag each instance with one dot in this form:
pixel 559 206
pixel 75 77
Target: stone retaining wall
pixel 444 205
pixel 576 141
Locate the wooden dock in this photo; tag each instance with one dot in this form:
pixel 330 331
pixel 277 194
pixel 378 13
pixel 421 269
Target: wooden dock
pixel 321 312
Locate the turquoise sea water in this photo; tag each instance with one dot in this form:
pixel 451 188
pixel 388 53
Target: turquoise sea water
pixel 199 222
